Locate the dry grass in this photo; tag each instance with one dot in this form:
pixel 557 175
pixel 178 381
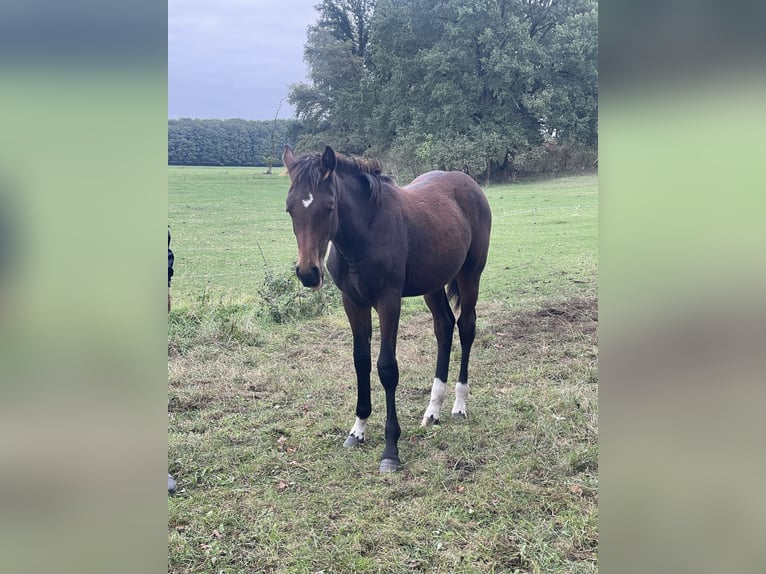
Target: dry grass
pixel 265 486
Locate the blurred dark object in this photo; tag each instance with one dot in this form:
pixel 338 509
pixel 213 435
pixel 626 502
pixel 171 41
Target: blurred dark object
pixel 41 31
pixel 8 237
pixel 677 39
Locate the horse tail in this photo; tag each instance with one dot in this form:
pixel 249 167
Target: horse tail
pixel 453 294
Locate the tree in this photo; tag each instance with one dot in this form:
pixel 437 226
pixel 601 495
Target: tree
pixel 455 84
pixel 332 108
pixel 272 156
pixel 348 21
pixel 225 142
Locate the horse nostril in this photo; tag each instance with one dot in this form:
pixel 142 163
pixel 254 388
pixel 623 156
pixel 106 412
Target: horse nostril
pixel 297 271
pixel 311 277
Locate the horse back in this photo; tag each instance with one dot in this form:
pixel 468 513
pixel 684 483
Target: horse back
pixel 448 223
pixel 448 199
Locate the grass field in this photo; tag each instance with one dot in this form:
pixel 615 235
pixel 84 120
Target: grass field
pixel 258 410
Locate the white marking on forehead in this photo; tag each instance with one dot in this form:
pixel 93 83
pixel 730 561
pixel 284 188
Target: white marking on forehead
pixel 309 201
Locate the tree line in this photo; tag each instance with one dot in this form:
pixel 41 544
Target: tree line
pixel 496 88
pixel 232 142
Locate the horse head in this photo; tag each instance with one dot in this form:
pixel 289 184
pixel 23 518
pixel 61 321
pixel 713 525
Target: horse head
pixel 311 203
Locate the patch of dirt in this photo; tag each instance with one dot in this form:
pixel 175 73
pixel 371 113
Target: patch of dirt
pixel 463 468
pixel 562 318
pixel 178 404
pixel 541 328
pixel 573 311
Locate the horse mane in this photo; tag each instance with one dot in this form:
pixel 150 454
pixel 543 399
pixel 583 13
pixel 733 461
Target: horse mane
pixel 307 168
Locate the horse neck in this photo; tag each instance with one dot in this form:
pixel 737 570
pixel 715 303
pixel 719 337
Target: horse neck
pixel 355 212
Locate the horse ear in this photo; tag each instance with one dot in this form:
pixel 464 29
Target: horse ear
pixel 329 162
pixel 288 157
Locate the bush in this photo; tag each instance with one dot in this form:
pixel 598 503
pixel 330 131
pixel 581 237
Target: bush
pixel 554 157
pixel 284 299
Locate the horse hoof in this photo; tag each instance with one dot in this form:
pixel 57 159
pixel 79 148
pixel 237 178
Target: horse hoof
pixel 428 421
pixel 352 440
pixel 458 415
pixel 388 465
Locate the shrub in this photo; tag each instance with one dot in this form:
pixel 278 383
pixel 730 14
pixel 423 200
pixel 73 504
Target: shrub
pixel 553 158
pixel 284 299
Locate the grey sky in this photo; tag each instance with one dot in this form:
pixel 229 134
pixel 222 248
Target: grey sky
pixel 235 58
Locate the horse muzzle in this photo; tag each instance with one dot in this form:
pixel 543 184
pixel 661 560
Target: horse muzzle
pixel 311 277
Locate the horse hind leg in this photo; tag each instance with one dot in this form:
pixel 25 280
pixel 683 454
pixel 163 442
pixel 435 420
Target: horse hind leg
pixel 444 327
pixel 469 293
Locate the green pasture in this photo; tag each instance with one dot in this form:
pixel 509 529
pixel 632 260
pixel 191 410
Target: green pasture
pixel 258 409
pixel 229 225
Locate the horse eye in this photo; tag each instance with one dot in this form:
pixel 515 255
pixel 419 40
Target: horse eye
pixel 331 207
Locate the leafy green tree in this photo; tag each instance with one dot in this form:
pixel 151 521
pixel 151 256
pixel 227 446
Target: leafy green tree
pixel 452 84
pixel 331 108
pixel 572 102
pixel 348 21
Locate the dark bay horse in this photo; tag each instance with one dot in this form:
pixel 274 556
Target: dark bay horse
pixel 387 243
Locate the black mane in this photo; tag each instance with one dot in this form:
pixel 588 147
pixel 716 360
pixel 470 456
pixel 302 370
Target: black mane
pixel 370 171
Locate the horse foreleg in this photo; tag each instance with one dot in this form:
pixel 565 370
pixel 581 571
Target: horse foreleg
pixel 360 320
pixel 388 371
pixel 358 432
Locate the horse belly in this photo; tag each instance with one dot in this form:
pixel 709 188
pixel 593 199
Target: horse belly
pixel 435 266
pixel 437 249
pixel 420 284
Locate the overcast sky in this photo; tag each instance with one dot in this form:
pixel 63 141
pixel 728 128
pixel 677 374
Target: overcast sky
pixel 235 58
